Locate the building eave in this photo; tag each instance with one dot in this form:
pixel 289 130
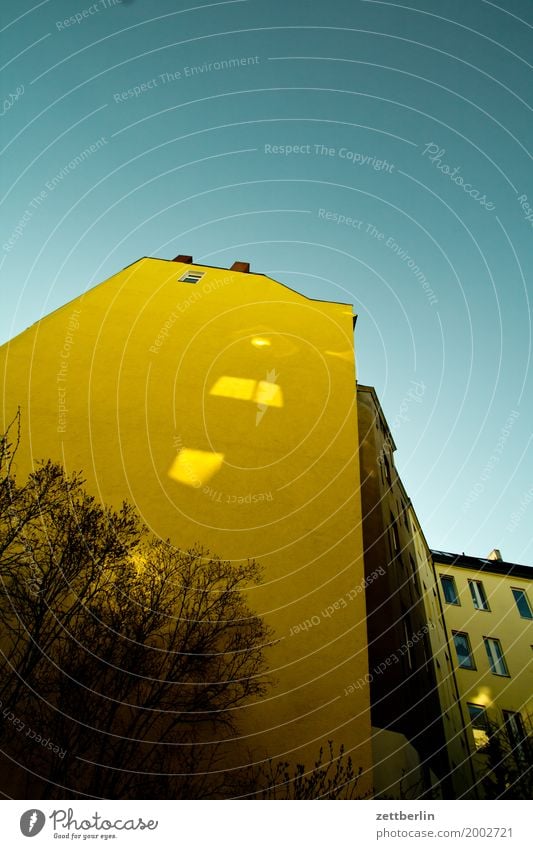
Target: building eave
pixel 482 564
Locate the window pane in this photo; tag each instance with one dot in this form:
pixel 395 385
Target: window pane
pixel 515 728
pixel 192 276
pixel 480 727
pixel 450 592
pixel 522 603
pixel 395 534
pixel 516 734
pixel 477 716
pixel 495 656
pixel 407 636
pixel 462 647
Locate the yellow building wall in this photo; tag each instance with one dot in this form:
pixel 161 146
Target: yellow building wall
pixel 503 622
pixel 454 713
pixel 225 411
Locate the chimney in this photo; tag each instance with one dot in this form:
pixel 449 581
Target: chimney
pixel 244 267
pixel 495 554
pixel 183 258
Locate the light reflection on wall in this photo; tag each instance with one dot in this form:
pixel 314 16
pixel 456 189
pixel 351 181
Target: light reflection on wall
pixel 245 389
pixel 341 355
pixel 261 342
pixel 194 468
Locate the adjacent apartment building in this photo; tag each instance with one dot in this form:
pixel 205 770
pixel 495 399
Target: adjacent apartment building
pixel 488 610
pixel 459 630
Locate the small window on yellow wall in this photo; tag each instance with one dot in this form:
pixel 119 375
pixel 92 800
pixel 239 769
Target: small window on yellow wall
pixel 494 650
pixel 465 658
pixel 395 533
pixel 479 599
pixel 192 276
pixel 449 589
pixel 522 602
pixel 480 725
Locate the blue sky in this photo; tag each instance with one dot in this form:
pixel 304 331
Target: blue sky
pixel 363 151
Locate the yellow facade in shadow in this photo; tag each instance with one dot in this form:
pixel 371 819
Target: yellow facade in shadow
pixel 223 408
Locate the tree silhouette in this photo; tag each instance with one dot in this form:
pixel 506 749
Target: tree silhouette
pixel 332 778
pixel 123 659
pixel 508 770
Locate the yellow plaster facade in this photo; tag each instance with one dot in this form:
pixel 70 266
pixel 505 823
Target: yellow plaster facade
pixel 487 619
pixel 222 404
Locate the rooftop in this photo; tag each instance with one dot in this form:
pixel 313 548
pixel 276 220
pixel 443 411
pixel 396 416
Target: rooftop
pixel 483 564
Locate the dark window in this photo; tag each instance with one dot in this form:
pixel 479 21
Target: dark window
pixel 464 652
pixel 449 589
pixel 407 637
pixel 478 717
pixel 427 648
pixel 515 731
pixel 479 598
pixel 522 603
pixel 395 533
pixel 414 575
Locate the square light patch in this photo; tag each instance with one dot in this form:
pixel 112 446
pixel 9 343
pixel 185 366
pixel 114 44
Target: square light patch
pixel 194 468
pixel 245 389
pixel 268 394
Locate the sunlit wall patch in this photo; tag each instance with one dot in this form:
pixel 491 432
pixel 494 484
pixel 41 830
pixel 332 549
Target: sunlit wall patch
pixel 263 392
pixel 341 355
pixel 242 388
pixel 193 467
pixel 268 394
pixel 261 342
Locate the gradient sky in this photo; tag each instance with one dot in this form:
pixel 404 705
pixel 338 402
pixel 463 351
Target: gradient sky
pixel 395 97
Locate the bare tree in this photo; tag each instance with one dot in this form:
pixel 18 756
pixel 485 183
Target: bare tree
pixel 509 762
pixel 333 777
pixel 123 659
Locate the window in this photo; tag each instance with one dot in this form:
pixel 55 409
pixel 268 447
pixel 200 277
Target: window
pixel 414 576
pixel 479 724
pixel 522 603
pixel 464 652
pixel 515 731
pixel 192 276
pixel 495 656
pixel 426 649
pixel 407 637
pixel 401 511
pixel 449 589
pixel 478 595
pixel 387 469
